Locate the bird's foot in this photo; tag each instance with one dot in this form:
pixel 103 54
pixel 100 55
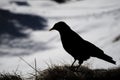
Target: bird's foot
pixel 74 68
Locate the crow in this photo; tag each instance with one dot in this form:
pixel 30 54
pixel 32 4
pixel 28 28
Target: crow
pixel 77 47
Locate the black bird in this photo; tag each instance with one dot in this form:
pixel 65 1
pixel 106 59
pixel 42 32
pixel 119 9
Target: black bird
pixel 76 46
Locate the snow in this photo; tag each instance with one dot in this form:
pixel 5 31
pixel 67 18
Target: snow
pixel 97 21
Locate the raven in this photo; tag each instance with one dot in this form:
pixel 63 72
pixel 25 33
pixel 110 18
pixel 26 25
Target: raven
pixel 77 47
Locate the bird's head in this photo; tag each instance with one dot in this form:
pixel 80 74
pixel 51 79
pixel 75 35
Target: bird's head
pixel 60 26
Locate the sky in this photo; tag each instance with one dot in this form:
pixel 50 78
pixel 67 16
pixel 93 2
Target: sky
pixel 24 32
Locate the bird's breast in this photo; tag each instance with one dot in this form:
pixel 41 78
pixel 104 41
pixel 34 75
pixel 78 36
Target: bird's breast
pixel 69 43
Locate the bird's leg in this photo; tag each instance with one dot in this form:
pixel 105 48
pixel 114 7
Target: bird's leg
pixel 73 63
pixel 71 67
pixel 80 62
pixel 78 67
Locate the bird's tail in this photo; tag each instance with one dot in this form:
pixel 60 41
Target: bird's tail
pixel 108 58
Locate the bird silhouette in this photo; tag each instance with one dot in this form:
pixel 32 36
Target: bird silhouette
pixel 77 47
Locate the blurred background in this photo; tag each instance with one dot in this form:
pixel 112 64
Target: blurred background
pixel 25 24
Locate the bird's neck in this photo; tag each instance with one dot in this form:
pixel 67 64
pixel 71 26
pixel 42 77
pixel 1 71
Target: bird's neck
pixel 65 32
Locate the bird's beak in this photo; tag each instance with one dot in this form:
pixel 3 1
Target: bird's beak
pixel 51 29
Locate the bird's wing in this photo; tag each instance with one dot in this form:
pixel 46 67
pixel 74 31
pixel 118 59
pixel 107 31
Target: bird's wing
pixel 97 52
pixel 93 50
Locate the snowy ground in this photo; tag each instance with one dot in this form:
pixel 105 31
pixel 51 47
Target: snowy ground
pixel 97 21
